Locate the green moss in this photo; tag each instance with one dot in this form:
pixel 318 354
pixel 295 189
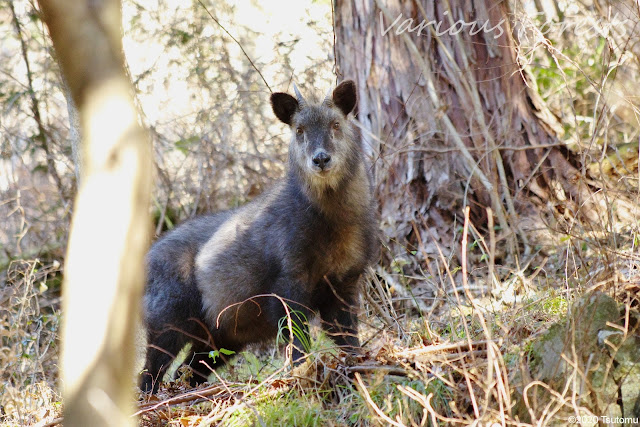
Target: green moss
pixel 579 330
pixel 555 306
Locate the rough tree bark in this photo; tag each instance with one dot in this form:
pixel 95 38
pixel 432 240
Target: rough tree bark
pixel 110 230
pixel 454 120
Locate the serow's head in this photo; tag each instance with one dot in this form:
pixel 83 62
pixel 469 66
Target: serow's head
pixel 324 143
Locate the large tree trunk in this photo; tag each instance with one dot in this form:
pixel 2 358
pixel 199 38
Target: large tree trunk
pixel 454 120
pixel 110 231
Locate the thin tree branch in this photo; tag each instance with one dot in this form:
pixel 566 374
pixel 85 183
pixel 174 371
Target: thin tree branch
pixel 238 43
pixel 35 109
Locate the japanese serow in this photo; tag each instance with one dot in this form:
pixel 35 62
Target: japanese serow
pixel 212 281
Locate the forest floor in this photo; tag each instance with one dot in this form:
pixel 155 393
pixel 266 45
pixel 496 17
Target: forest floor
pixel 470 353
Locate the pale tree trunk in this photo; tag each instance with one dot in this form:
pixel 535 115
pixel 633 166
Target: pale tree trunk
pixel 110 230
pixel 454 120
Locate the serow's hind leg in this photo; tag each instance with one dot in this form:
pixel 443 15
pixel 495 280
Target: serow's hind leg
pixel 157 362
pixel 162 348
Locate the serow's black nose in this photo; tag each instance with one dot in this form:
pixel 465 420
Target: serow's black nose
pixel 321 160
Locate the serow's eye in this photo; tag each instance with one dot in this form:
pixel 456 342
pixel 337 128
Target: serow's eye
pixel 299 131
pixel 336 125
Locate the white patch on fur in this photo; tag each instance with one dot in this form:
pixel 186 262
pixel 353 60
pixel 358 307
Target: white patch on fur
pixel 216 292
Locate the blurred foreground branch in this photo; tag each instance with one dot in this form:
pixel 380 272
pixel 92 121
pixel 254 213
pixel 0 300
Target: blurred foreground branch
pixel 110 228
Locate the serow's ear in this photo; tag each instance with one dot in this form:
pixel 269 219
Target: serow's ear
pixel 284 106
pixel 344 96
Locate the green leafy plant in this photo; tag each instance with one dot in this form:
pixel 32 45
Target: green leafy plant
pixel 298 321
pixel 214 354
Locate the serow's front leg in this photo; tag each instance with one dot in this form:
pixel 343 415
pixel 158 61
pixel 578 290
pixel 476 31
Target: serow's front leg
pixel 340 321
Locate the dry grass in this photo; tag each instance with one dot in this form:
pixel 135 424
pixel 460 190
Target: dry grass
pixel 29 319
